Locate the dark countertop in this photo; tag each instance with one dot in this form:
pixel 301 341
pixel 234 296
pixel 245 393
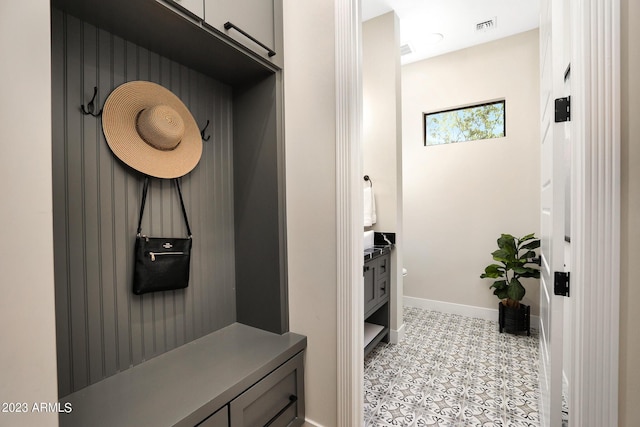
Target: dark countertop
pixel 383 242
pixel 376 251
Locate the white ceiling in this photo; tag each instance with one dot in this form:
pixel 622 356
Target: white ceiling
pixel 422 20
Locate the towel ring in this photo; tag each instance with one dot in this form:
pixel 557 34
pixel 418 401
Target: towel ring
pixel 366 178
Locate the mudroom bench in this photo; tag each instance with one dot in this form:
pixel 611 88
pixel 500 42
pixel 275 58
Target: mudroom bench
pixel 236 376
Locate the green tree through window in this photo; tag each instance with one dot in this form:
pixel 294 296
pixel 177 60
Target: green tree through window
pixel 472 123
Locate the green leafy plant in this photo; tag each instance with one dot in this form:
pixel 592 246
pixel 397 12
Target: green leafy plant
pixel 516 261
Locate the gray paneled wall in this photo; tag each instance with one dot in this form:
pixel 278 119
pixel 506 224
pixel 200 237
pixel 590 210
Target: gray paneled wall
pixel 102 328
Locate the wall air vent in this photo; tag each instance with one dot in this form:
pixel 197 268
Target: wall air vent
pixel 405 49
pixel 487 25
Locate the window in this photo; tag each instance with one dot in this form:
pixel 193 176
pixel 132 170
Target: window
pixel 483 121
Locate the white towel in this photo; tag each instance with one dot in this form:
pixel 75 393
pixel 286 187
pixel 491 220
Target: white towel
pixel 369 207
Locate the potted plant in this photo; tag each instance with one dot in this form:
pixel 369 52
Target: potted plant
pixel 516 260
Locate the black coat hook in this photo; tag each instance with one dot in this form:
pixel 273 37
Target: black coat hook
pixel 202 132
pixel 89 111
pixel 366 178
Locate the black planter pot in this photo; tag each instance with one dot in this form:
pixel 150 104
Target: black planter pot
pixel 514 320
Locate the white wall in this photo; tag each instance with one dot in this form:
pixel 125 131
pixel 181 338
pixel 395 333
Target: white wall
pixel 382 139
pixel 382 111
pixel 629 379
pixel 458 198
pixel 27 336
pixel 310 134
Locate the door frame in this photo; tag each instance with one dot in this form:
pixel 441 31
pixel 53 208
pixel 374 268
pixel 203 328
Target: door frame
pixel 349 205
pixel 595 211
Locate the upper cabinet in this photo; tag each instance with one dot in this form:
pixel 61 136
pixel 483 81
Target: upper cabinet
pixel 196 7
pixel 255 24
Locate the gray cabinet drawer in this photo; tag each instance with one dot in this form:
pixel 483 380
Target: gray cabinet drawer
pixel 219 419
pixel 383 288
pixel 382 271
pixel 276 401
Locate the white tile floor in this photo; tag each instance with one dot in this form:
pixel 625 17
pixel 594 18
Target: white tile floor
pixel 452 371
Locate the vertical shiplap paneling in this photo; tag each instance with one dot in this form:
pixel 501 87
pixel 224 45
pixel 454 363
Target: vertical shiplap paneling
pixel 221 160
pixel 193 298
pixel 107 213
pixel 146 301
pixel 202 188
pixel 180 297
pixel 154 215
pixel 134 191
pixel 121 238
pixel 62 295
pixel 102 327
pixel 167 202
pixel 75 204
pixel 227 243
pixel 174 222
pixel 212 186
pixel 197 193
pixel 91 213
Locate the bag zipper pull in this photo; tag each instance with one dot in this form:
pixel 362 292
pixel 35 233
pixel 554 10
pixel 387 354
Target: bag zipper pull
pixel 153 256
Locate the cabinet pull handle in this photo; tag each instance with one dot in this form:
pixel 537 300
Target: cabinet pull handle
pixel 292 399
pixel 229 25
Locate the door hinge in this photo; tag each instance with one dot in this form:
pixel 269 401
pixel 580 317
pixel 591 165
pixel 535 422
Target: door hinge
pixel 563 109
pixel 561 283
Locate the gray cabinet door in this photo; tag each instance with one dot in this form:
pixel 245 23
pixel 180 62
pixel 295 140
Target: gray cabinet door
pixel 276 401
pixel 257 18
pixel 370 294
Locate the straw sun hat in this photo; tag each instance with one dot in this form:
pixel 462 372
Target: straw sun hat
pixel 151 130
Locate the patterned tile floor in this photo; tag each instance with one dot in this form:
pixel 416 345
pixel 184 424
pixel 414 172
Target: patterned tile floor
pixel 452 370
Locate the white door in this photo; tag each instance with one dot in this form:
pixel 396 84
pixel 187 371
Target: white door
pixel 563 135
pixel 552 201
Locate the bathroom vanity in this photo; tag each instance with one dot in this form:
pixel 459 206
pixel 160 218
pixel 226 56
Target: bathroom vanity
pixel 377 286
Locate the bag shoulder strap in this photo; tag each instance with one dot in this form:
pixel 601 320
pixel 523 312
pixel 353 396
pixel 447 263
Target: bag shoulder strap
pixel 184 211
pixel 144 200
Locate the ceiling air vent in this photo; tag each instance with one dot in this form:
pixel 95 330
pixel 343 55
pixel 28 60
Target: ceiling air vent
pixel 487 25
pixel 405 49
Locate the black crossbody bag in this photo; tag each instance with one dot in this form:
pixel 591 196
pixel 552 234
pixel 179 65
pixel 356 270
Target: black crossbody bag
pixel 161 263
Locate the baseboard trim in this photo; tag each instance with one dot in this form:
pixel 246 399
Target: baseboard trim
pixel 461 309
pixel 309 423
pixel 396 336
